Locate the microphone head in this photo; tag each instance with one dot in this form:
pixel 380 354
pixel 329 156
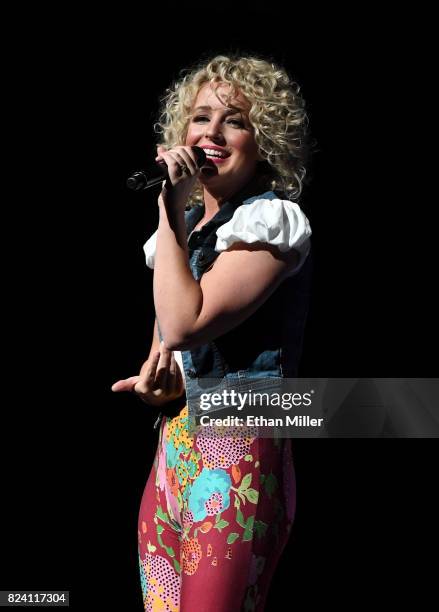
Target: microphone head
pixel 137 181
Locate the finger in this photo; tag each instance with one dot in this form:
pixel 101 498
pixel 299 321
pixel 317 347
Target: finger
pixel 165 353
pixel 174 163
pixel 188 156
pixel 184 160
pixel 125 385
pixel 160 150
pixel 178 159
pixel 175 158
pixel 171 380
pixel 163 367
pixel 150 366
pixel 148 374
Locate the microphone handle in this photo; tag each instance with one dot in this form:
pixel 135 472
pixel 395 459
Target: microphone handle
pixel 139 180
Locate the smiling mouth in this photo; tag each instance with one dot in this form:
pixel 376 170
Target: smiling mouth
pixel 215 153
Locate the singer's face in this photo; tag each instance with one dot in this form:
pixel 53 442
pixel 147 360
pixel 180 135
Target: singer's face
pixel 224 131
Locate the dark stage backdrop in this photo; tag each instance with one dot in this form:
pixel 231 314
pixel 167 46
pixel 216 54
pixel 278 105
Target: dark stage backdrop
pixel 75 457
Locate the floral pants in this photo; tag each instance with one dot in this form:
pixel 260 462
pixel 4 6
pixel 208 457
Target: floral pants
pixel 215 516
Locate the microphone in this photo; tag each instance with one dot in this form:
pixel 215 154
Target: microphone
pixel 143 179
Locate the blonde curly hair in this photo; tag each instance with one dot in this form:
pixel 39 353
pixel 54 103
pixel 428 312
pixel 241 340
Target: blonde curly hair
pixel 277 114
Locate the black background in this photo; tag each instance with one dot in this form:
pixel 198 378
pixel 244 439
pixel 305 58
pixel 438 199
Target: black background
pixel 83 96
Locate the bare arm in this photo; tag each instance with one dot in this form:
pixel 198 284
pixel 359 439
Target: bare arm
pixel 241 280
pixel 193 313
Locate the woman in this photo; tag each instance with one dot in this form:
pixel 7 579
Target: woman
pixel 231 285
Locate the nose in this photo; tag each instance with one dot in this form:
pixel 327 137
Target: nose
pixel 214 129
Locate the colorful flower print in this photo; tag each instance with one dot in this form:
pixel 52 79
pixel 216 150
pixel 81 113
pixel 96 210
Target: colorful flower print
pixel 191 555
pixel 223 451
pixel 160 583
pixel 209 482
pixel 171 477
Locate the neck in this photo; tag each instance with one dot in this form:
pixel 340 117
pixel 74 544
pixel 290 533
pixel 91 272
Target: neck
pixel 212 203
pixel 213 200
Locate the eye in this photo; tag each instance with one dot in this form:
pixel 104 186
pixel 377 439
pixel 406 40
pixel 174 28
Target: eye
pixel 236 122
pixel 200 118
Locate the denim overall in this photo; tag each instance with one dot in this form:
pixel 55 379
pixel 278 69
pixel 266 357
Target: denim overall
pixel 268 344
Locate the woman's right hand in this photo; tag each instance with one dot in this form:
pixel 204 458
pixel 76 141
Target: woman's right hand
pixel 183 172
pixel 160 380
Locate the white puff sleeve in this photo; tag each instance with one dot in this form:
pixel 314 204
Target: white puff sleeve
pixel 149 249
pixel 278 222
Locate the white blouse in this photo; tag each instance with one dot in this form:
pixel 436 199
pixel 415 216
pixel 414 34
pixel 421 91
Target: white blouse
pixel 277 222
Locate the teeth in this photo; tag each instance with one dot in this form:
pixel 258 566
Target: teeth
pixel 214 153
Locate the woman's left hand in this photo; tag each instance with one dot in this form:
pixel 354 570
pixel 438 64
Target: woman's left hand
pixel 183 173
pixel 160 379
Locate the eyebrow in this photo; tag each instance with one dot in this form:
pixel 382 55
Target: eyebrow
pixel 229 110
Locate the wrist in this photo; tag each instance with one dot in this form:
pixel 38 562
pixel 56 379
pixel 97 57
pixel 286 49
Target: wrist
pixel 173 198
pixel 171 215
